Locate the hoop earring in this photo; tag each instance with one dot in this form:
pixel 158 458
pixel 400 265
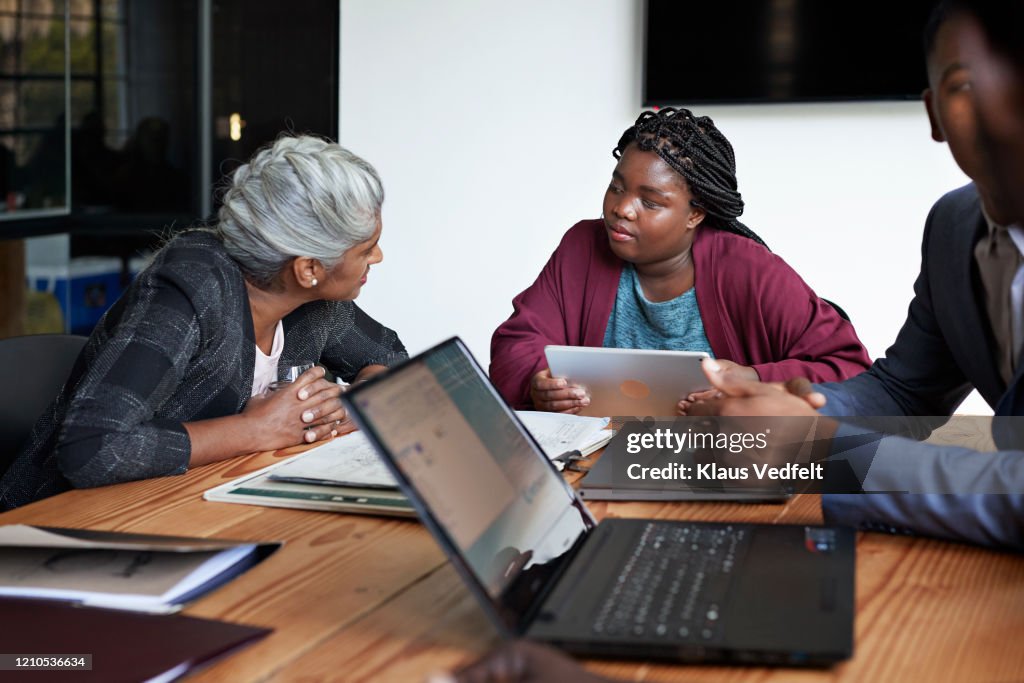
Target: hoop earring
pixel 313 282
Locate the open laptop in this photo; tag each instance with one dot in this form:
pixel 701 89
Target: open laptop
pixel 529 550
pixel 636 382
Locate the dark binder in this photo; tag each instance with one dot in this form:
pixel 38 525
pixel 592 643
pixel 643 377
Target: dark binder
pixel 125 646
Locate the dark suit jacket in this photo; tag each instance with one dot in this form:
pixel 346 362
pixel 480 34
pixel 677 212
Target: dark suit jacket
pixel 179 346
pixel 944 349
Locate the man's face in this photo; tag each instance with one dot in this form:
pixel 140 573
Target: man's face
pixel 998 93
pixel 952 110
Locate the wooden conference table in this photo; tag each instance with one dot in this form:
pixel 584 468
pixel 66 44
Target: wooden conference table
pixel 355 598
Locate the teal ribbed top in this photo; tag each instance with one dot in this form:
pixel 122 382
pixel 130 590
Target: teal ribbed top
pixel 636 323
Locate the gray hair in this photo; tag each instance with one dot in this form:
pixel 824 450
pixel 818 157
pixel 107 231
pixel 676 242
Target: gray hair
pixel 300 196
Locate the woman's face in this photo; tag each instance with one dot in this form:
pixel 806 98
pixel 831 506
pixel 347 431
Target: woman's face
pixel 647 211
pixel 346 279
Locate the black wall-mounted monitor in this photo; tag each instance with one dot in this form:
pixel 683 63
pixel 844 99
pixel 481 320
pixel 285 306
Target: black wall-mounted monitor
pixel 755 51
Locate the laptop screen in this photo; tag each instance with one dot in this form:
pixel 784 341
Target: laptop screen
pixel 495 500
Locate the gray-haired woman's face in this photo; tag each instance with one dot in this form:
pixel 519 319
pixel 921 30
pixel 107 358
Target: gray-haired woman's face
pixel 346 279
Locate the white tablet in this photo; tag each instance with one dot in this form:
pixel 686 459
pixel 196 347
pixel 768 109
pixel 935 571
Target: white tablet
pixel 629 382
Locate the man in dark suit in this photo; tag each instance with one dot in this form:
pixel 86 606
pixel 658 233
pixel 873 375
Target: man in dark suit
pixel 964 329
pixel 959 332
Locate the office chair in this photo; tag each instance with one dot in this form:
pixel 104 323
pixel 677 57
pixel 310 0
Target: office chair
pixel 839 310
pixel 35 368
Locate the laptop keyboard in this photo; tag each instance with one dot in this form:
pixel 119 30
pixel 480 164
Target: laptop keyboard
pixel 673 583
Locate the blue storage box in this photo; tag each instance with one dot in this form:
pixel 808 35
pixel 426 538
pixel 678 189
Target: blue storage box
pixel 85 288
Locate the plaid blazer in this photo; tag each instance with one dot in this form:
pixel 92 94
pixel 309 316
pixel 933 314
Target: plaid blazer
pixel 178 346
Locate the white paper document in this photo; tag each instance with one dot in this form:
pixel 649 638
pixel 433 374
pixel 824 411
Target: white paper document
pixel 121 571
pixel 557 433
pixel 351 460
pixel 347 460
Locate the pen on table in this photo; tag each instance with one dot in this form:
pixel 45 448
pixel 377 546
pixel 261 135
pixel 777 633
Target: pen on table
pixel 577 454
pixel 569 456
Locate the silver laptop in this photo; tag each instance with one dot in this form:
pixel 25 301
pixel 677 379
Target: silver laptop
pixel 629 382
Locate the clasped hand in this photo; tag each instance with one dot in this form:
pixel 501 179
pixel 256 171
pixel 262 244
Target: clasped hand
pixel 307 410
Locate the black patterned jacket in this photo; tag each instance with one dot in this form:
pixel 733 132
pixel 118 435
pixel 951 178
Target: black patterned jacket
pixel 178 346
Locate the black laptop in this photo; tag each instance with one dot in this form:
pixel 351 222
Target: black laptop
pixel 530 551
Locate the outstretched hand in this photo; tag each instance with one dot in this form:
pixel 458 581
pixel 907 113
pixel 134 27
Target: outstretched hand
pixel 728 367
pixel 742 396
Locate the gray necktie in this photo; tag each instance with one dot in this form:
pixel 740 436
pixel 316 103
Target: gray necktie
pixel 998 260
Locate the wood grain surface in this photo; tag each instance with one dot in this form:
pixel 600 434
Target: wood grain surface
pixel 357 598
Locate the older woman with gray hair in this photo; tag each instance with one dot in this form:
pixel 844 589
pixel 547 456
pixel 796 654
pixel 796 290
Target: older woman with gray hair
pixel 176 373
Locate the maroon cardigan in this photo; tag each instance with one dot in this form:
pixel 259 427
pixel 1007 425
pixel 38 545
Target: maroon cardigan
pixel 756 311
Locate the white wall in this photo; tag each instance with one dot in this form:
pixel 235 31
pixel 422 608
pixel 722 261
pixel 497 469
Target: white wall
pixel 492 125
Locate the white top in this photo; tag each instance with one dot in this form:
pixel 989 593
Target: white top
pixel 266 366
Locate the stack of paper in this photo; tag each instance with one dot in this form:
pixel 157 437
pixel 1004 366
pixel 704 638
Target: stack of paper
pixel 351 461
pixel 343 475
pixel 348 460
pixel 122 571
pixel 558 433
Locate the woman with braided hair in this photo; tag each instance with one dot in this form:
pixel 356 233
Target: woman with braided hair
pixel 670 267
pixel 175 373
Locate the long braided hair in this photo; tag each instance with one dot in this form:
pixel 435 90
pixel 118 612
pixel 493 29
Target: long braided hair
pixel 696 150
